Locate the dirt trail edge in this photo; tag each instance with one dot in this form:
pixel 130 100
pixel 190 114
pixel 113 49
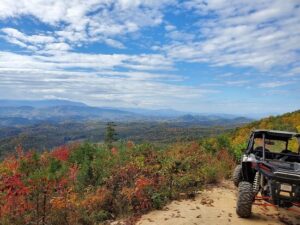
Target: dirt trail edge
pixel 215 206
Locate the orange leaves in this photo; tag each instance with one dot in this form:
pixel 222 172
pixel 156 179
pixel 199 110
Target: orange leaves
pixel 61 153
pixel 114 150
pixel 143 198
pixel 29 181
pixel 58 202
pixel 139 196
pixel 141 183
pixel 96 200
pixel 66 200
pixel 52 186
pixel 128 192
pixel 9 166
pixel 14 194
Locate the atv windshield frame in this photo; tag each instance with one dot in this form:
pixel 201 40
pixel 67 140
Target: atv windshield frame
pixel 271 135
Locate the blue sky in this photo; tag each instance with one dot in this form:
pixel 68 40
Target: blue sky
pixel 208 56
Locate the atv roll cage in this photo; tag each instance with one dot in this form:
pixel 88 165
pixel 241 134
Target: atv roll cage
pixel 272 173
pixel 272 135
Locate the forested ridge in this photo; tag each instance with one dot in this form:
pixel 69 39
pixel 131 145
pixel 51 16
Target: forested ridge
pixel 92 183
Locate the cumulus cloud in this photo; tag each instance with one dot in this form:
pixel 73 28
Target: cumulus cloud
pixel 87 20
pixel 259 34
pixel 31 42
pixel 49 77
pixel 38 39
pixel 146 55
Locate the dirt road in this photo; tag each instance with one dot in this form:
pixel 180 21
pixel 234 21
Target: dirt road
pixel 216 206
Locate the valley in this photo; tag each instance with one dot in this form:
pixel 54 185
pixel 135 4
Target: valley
pixel 46 124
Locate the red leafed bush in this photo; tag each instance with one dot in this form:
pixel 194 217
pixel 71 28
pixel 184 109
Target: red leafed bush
pixel 88 183
pixel 143 200
pixel 141 183
pixel 61 153
pixel 14 194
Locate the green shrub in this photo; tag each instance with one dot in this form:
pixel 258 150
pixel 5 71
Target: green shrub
pixel 158 200
pixel 100 216
pixel 210 173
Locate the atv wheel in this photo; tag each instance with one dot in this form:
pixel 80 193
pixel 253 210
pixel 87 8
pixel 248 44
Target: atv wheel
pixel 244 199
pixel 237 175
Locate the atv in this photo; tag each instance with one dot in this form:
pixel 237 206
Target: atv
pixel 269 171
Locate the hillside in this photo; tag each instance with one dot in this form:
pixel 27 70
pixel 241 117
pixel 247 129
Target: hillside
pixel 48 135
pixel 90 183
pixel 49 123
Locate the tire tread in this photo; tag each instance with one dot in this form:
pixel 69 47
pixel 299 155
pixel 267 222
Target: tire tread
pixel 237 175
pixel 245 199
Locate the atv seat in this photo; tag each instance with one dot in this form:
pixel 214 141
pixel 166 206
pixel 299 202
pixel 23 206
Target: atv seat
pixel 283 156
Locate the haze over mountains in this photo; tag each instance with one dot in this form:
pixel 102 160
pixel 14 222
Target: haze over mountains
pixel 45 124
pixel 24 112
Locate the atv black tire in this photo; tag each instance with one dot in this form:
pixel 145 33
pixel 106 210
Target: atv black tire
pixel 237 175
pixel 244 199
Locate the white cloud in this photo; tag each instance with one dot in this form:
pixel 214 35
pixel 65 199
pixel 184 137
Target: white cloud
pixel 59 46
pixel 170 27
pixel 96 62
pixel 38 39
pixel 273 84
pixel 294 72
pixel 237 83
pixel 87 20
pixel 101 84
pixel 114 43
pixel 260 34
pixel 180 36
pixel 34 42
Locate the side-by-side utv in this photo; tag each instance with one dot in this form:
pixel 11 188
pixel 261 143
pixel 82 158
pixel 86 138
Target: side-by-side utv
pixel 270 167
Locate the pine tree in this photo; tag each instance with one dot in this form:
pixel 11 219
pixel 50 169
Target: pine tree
pixel 110 134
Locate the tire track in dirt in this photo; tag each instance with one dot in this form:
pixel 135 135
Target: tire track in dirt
pixel 216 206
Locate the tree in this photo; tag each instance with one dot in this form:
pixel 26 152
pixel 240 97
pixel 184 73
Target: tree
pixel 110 134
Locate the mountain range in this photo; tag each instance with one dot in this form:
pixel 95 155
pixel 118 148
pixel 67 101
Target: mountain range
pixel 29 112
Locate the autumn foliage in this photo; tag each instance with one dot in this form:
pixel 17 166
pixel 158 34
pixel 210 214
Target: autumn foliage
pixel 61 153
pixel 90 183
